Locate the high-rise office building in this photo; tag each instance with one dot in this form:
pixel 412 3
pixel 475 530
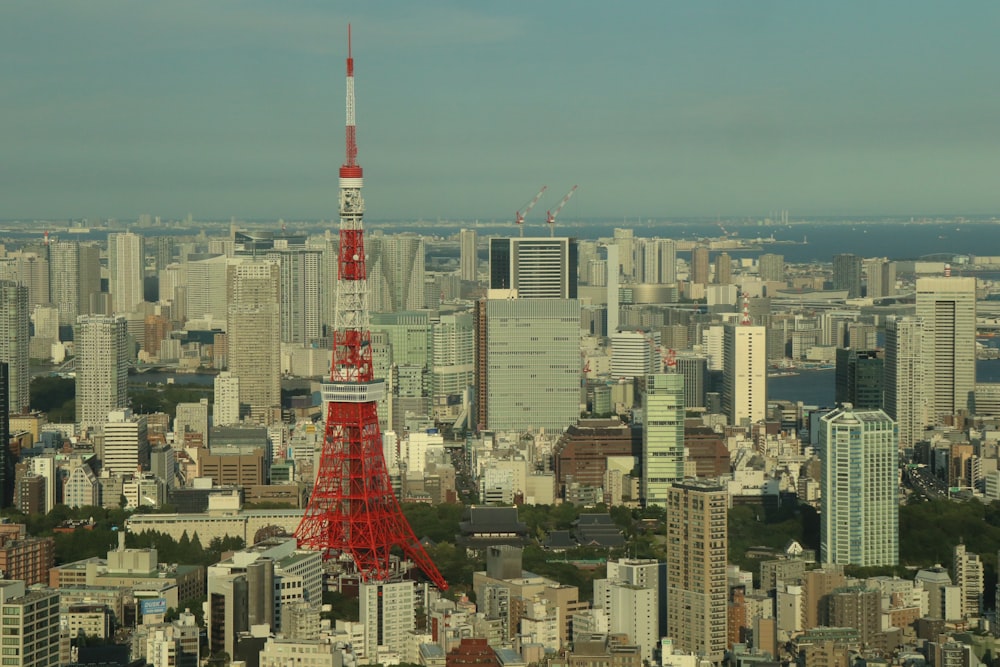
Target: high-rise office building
pixel 163 251
pixel 101 368
pixel 537 268
pixel 723 269
pixel 906 393
pixel 948 308
pixel 613 278
pixel 14 342
pixel 662 435
pixel 697 540
pixel 395 273
pixel 859 519
pixel 226 410
pixel 301 302
pixel 847 274
pixel 453 369
pixel 634 354
pixel 528 363
pixel 695 372
pixel 468 260
pixel 205 293
pixel 126 262
pixel 744 373
pixel 126 443
pixel 881 277
pixel 254 331
pixel 699 270
pixel 859 378
pixel 771 268
pixel 625 240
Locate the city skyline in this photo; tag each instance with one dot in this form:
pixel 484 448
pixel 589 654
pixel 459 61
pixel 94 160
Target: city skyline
pixel 235 109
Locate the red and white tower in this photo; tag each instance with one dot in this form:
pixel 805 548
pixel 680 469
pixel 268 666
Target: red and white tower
pixel 353 510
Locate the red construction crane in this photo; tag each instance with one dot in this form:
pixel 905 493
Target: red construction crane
pixel 550 216
pixel 519 217
pixel 669 361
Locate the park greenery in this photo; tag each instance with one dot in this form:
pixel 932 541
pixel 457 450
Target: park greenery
pixel 56 396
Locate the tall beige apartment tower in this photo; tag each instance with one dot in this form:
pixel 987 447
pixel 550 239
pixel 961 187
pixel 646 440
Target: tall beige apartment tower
pixel 126 261
pixel 253 326
pixel 697 542
pixel 948 309
pixel 14 319
pixel 744 373
pixel 101 368
pixel 468 264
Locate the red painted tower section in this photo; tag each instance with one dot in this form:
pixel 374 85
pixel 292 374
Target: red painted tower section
pixel 352 510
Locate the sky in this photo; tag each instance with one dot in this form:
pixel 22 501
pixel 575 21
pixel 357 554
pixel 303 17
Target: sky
pixel 655 109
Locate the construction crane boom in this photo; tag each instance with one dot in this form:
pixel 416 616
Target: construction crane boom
pixel 519 217
pixel 550 216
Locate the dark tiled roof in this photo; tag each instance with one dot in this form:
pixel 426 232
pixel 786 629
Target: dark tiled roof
pixel 598 530
pixel 559 539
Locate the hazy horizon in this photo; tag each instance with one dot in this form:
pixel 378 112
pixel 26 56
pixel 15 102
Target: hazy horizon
pixel 656 110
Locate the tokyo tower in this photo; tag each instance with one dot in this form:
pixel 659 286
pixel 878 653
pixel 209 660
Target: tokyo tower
pixel 353 510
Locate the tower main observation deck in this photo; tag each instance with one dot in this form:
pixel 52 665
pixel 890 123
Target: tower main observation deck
pixel 353 510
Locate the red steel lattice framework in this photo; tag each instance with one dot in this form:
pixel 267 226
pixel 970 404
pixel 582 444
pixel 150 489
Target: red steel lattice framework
pixel 352 509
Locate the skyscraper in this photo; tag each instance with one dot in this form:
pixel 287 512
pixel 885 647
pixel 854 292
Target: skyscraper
pixel 744 373
pixel 847 274
pixel 771 268
pixel 528 363
pixel 904 380
pixel 699 269
pixel 697 540
pixel 859 519
pixel 468 260
pixel 859 378
pixel 64 280
pixel 126 262
pixel 301 303
pixel 625 240
pixel 101 368
pixel 662 435
pixel 695 372
pixel 948 308
pixel 14 319
pixel 723 269
pixel 396 273
pixel 254 330
pixel 881 277
pixel 538 268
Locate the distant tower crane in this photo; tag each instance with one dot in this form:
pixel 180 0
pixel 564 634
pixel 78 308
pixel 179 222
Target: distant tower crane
pixel 519 217
pixel 550 216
